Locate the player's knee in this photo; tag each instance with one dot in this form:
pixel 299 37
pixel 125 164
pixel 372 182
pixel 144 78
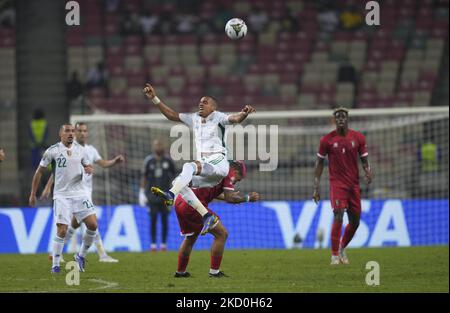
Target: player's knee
pixel 225 234
pixel 197 167
pixel 92 226
pixel 75 224
pixel 222 234
pixel 355 223
pixel 190 241
pixel 339 216
pixel 61 231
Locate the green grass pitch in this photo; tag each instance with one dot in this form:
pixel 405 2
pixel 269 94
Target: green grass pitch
pixel 417 269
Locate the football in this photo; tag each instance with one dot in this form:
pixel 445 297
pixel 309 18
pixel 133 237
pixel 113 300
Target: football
pixel 236 28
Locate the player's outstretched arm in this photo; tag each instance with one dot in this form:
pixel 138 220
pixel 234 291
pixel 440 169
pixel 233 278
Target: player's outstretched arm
pixel 34 185
pixel 48 188
pixel 2 155
pixel 170 114
pixel 367 169
pixel 317 174
pixel 238 197
pixel 109 163
pixel 142 197
pixel 88 169
pixel 239 117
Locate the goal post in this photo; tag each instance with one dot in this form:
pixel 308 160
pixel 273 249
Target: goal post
pixel 408 151
pixel 406 204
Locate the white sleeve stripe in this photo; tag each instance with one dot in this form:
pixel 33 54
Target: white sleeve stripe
pixel 320 156
pixel 365 154
pixel 186 235
pixel 228 188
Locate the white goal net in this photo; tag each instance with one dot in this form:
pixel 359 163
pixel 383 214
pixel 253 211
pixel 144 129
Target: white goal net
pixel 408 151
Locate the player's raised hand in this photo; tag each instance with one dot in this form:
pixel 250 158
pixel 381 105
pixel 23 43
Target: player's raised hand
pixel 248 109
pixel 316 195
pixel 89 169
pixel 119 159
pixel 2 155
pixel 149 91
pixel 32 201
pixel 142 198
pixel 45 193
pixel 368 177
pixel 253 196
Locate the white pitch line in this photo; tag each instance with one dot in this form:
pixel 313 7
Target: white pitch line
pixel 108 284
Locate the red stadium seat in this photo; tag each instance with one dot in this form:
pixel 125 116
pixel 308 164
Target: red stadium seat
pixel 154 40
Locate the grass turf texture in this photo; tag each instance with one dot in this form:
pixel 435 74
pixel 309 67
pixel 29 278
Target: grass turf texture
pixel 415 269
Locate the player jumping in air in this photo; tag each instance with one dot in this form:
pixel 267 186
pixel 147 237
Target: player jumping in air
pixel 212 164
pixel 342 146
pixel 191 222
pixel 81 135
pixel 69 160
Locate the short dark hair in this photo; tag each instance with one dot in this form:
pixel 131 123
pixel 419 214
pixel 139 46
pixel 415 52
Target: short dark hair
pixel 78 124
pixel 64 124
pixel 38 114
pixel 216 102
pixel 239 166
pixel 340 109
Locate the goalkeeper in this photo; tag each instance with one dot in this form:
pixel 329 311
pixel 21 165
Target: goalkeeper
pixel 212 164
pixel 158 170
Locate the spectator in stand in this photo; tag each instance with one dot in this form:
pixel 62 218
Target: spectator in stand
pixel 258 19
pixel 131 24
pixel 2 155
pixel 350 18
pixel 111 5
pixel 328 19
pixel 289 22
pixel 165 26
pixel 223 14
pixel 204 26
pixel 347 74
pixel 97 77
pixel 185 23
pixel 148 22
pixel 38 131
pixel 74 87
pixel 7 14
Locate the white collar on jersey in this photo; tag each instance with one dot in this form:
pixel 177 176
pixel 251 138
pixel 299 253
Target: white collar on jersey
pixel 209 117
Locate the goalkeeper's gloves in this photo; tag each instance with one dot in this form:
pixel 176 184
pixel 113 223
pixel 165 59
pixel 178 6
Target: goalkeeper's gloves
pixel 142 198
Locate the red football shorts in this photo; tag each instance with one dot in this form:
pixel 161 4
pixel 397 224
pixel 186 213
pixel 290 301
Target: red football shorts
pixel 190 220
pixel 346 198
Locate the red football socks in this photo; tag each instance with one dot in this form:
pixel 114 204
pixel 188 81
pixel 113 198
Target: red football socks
pixel 348 235
pixel 215 262
pixel 336 237
pixel 182 263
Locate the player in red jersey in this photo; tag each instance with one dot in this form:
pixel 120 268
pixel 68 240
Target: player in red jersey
pixel 342 146
pixel 191 222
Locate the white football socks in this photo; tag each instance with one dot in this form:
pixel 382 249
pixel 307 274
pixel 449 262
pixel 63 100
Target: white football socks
pixel 99 245
pixel 88 239
pixel 69 234
pixel 190 197
pixel 185 177
pixel 58 245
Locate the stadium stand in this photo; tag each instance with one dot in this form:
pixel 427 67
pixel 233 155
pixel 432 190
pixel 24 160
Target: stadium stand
pixel 8 97
pixel 294 61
